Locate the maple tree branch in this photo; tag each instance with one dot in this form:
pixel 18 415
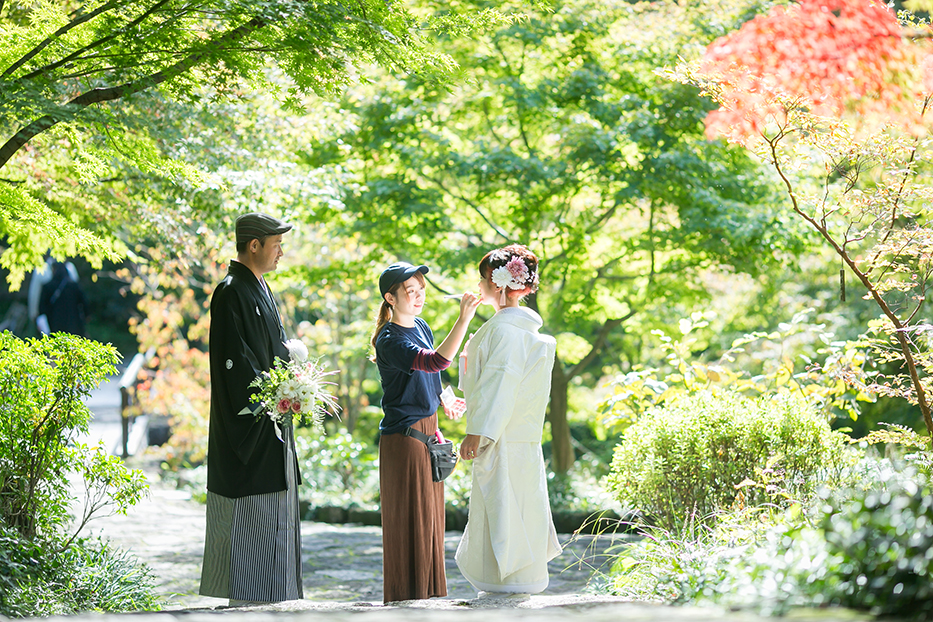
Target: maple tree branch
pixel 919 306
pixel 895 255
pixel 472 205
pixel 57 34
pixel 70 110
pixel 603 218
pixel 90 46
pixel 899 327
pixel 519 106
pixel 907 171
pixel 598 344
pixel 489 124
pixel 652 241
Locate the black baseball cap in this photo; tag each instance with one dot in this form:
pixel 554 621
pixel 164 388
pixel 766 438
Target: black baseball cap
pixel 397 273
pixel 256 225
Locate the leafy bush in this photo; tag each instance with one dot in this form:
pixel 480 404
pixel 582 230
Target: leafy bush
pixel 880 541
pixel 863 547
pixel 43 570
pixel 706 452
pixel 336 469
pixel 43 384
pixel 42 578
pixel 800 358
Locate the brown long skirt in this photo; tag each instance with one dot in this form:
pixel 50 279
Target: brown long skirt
pixel 412 518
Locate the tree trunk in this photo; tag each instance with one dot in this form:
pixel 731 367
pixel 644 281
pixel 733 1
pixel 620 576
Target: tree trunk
pixel 562 455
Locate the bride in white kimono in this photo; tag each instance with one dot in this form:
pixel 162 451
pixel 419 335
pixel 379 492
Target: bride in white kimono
pixel 505 376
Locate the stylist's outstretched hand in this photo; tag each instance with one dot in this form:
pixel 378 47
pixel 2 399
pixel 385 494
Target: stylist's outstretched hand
pixel 468 303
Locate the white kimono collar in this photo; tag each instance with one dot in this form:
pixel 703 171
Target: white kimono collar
pixel 523 317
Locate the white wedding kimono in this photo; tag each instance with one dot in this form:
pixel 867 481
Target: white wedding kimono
pixel 506 380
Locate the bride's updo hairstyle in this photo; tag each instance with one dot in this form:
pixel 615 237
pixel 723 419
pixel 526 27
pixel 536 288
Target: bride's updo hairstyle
pixel 513 267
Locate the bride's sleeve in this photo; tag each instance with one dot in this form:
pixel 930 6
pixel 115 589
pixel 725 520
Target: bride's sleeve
pixel 496 377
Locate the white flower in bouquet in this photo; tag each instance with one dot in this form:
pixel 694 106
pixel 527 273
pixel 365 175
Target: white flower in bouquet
pixel 297 350
pixel 295 390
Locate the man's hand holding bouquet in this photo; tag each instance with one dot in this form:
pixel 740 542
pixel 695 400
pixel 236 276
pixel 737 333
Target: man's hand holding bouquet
pixel 294 390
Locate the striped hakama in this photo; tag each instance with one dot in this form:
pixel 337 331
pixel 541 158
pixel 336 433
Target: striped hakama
pixel 413 518
pixel 252 545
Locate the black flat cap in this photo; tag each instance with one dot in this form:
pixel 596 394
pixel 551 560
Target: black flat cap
pixel 256 225
pixel 397 273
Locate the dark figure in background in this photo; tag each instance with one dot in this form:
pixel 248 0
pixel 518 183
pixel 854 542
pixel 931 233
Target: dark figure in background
pixel 62 303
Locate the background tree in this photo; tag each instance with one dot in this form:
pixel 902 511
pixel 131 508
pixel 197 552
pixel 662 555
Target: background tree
pixel 567 140
pixel 80 84
pixel 871 205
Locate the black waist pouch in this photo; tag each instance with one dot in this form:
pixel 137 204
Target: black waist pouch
pixel 443 455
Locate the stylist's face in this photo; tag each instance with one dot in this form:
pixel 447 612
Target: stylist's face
pixel 409 297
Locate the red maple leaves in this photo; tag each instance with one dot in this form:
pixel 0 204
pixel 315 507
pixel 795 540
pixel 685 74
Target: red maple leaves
pixel 830 56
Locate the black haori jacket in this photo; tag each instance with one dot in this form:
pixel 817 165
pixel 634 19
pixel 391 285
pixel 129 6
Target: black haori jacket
pixel 244 456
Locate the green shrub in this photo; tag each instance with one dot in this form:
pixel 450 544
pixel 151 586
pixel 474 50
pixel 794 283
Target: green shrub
pixel 45 578
pixel 43 385
pixel 43 569
pixel 336 469
pixel 705 452
pixel 862 547
pixel 881 540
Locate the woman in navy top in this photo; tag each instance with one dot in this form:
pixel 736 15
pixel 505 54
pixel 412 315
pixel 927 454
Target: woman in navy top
pixel 413 519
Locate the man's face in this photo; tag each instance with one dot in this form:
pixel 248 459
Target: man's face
pixel 266 257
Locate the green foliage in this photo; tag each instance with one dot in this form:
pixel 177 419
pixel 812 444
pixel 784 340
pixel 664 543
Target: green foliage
pixel 832 375
pixel 704 453
pixel 26 223
pixel 915 446
pixel 881 541
pixel 38 579
pixel 336 469
pixel 90 88
pixel 565 139
pixel 43 384
pixel 865 547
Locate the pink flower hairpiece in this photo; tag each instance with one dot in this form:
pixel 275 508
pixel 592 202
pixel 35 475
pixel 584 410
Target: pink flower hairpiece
pixel 514 275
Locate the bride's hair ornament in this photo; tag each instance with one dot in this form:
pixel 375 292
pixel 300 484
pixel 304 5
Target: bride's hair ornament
pixel 513 267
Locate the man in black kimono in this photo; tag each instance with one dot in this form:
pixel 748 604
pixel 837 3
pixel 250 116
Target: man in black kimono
pixel 252 548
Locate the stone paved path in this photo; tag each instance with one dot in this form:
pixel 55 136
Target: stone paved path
pixel 341 563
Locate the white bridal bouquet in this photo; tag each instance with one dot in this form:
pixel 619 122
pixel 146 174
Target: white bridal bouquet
pixel 295 390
